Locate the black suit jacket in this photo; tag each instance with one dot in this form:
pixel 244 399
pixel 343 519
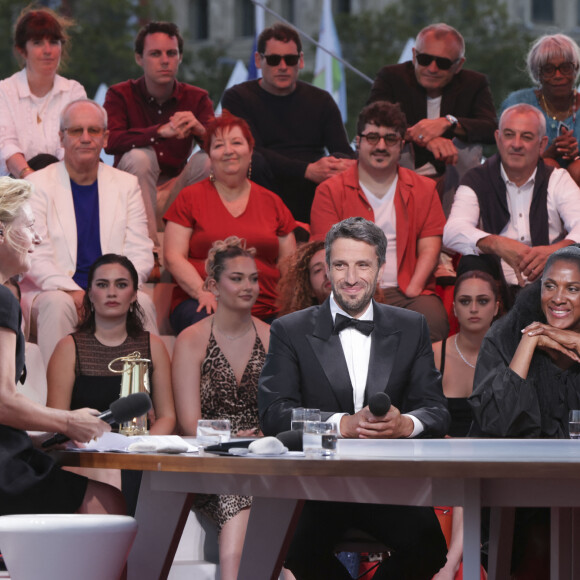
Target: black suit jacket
pixel 466 97
pixel 306 367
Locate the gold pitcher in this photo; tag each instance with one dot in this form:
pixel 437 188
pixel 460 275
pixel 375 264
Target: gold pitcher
pixel 135 379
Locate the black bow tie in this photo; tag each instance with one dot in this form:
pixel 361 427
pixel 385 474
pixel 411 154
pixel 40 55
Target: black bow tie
pixel 341 322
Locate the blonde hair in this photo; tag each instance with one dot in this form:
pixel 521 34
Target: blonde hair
pixel 14 193
pixel 222 250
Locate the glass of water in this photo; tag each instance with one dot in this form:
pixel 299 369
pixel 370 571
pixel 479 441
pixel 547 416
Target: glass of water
pixel 300 415
pixel 574 418
pixel 213 431
pixel 319 439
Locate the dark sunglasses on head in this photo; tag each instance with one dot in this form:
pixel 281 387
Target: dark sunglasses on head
pixel 274 59
pixel 442 63
pixel 375 138
pixel 566 68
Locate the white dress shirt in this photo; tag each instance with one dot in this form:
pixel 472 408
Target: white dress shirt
pixel 357 351
pixel 463 228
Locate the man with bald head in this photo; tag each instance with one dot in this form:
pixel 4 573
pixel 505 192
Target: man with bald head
pixel 446 106
pixel 83 209
pixel 514 206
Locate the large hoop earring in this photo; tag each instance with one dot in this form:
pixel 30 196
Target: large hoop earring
pixel 211 175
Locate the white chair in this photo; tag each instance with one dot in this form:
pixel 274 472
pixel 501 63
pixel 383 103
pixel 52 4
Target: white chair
pixel 66 546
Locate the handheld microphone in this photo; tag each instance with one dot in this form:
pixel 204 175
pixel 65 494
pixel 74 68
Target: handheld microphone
pixel 123 409
pixel 379 404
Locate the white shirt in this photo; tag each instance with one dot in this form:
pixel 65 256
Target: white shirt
pixel 386 219
pixel 20 131
pixel 357 352
pixel 463 228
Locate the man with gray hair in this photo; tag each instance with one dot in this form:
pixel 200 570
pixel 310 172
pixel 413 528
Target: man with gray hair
pixel 514 206
pixel 445 105
pixel 83 209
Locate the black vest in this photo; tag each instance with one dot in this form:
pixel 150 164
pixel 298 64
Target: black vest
pixel 490 188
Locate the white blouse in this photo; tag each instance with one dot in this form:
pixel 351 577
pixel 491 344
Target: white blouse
pixel 30 125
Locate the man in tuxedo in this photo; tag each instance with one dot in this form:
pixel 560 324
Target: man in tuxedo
pixel 334 357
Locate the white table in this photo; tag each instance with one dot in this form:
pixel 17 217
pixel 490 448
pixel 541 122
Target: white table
pixel 471 473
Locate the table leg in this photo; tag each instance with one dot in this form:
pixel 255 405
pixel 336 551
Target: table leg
pixel 501 536
pixel 560 543
pixel 161 516
pixel 270 529
pixel 472 529
pixel 575 543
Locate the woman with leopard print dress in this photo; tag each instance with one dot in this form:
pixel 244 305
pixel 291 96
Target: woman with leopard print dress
pixel 216 366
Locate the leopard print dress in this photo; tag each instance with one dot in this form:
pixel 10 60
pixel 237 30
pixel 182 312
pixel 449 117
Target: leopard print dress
pixel 223 398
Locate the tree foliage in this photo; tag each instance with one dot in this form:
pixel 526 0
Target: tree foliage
pixel 494 46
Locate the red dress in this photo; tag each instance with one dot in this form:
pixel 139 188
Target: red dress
pixel 265 218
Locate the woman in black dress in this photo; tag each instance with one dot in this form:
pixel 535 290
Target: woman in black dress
pixel 30 482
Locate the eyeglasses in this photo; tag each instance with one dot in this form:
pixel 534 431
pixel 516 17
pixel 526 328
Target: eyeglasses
pixel 566 69
pixel 442 63
pixel 77 132
pixel 390 139
pixel 274 59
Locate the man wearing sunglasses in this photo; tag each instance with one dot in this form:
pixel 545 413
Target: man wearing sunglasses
pixel 292 122
pixel 403 204
pixel 445 105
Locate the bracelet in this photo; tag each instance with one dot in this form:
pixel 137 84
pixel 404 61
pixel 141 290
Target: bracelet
pixel 24 172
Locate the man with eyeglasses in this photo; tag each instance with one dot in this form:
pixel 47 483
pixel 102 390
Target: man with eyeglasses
pixel 403 204
pixel 155 121
pixel 82 209
pixel 446 106
pixel 515 206
pixel 292 122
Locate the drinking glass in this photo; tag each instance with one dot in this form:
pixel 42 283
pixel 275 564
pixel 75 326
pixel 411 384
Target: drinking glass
pixel 574 418
pixel 213 431
pixel 319 439
pixel 300 415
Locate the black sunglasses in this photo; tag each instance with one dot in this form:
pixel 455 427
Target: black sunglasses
pixel 566 69
pixel 274 59
pixel 442 63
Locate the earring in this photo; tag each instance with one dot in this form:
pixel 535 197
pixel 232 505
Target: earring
pixel 250 171
pixel 211 175
pixel 131 307
pixel 92 307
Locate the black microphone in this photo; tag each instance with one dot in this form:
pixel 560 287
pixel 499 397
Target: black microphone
pixel 291 439
pixel 379 404
pixel 123 409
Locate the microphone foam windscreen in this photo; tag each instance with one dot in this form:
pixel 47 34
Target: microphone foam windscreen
pixel 291 439
pixel 379 404
pixel 135 405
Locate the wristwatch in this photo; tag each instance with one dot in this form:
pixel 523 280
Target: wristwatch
pixel 453 120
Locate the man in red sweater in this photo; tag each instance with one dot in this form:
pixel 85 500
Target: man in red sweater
pixel 155 121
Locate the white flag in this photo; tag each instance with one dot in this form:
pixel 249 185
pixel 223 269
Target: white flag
pixel 329 72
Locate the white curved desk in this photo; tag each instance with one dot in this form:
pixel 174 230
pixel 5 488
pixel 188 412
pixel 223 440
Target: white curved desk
pixel 468 472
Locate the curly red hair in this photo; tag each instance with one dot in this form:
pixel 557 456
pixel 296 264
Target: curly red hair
pixel 294 289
